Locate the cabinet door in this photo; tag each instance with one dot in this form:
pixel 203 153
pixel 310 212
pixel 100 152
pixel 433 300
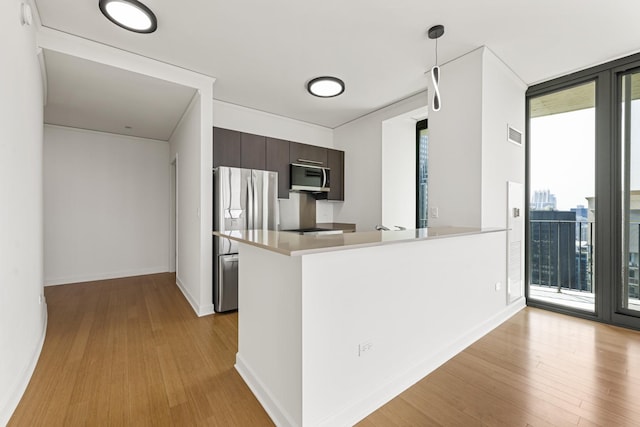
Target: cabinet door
pixel 252 151
pixel 226 147
pixel 335 161
pixel 278 161
pixel 307 154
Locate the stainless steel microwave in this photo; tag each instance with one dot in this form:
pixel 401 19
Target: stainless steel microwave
pixel 310 178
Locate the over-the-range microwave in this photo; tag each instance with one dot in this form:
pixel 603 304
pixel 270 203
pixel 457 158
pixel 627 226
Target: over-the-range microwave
pixel 310 178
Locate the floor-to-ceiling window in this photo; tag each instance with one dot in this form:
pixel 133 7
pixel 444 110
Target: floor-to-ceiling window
pixel 561 188
pixel 583 188
pixel 422 142
pixel 628 293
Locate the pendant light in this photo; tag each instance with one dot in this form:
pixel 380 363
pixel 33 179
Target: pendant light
pixel 436 32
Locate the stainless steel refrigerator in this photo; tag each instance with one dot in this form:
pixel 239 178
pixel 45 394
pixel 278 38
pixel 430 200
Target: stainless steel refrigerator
pixel 243 199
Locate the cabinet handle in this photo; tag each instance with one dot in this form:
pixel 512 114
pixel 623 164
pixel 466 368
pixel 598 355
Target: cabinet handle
pixel 310 161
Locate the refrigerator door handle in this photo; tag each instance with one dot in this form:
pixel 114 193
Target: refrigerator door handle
pixel 250 205
pixel 256 212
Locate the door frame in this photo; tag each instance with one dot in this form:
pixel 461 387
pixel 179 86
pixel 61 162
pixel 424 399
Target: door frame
pixel 173 215
pixel 618 316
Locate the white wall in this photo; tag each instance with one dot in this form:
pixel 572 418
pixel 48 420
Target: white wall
pixel 22 316
pixel 503 104
pixel 243 119
pixel 362 142
pixel 106 205
pixel 304 364
pixel 470 159
pixel 455 144
pixel 185 149
pixel 399 172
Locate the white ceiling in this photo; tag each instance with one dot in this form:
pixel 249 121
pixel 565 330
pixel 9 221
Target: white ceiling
pixel 263 52
pixel 87 95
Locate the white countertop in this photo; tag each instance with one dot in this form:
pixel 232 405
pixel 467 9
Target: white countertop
pixel 293 244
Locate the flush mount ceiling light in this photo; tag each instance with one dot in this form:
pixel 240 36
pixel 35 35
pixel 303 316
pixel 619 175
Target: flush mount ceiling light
pixel 436 32
pixel 130 15
pixel 325 87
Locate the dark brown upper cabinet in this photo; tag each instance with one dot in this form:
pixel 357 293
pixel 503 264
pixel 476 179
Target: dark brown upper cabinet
pixel 307 154
pixel 335 162
pixel 244 150
pixel 278 161
pixel 226 147
pixel 253 151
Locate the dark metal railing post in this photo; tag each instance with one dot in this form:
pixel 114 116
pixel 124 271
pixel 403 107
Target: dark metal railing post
pixel 590 256
pixel 549 278
pixel 580 255
pixel 558 257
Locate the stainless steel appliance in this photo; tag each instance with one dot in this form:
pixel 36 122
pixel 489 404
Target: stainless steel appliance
pixel 243 199
pixel 310 178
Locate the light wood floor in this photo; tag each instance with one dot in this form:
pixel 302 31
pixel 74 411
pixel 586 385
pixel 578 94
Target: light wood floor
pixel 131 352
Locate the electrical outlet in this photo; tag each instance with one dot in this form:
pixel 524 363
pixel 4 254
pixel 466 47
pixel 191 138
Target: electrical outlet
pixel 498 286
pixel 435 213
pixel 365 348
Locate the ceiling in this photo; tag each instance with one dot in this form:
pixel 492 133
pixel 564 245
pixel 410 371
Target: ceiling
pixel 263 53
pixel 87 95
pixel 574 98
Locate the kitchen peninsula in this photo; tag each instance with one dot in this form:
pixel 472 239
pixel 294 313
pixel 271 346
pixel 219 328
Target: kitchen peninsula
pixel 333 326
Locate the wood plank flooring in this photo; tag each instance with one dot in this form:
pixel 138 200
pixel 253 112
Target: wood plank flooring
pixel 132 352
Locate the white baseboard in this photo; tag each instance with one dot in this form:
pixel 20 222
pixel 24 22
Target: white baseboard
pixel 104 276
pixel 20 386
pixel 205 310
pixel 200 311
pixel 356 411
pixel 278 415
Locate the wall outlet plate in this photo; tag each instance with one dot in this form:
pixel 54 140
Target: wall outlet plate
pixel 364 348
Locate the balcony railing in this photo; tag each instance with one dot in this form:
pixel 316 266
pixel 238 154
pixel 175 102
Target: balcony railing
pixel 561 255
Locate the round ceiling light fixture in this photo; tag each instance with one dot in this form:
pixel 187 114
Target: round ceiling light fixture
pixel 325 87
pixel 130 15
